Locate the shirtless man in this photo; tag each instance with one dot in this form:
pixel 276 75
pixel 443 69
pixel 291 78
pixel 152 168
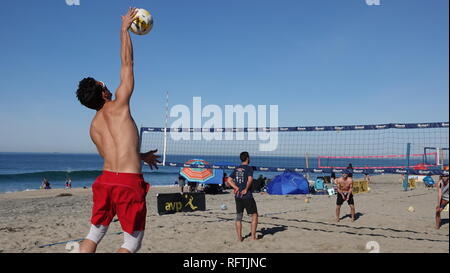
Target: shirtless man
pixel 344 188
pixel 121 189
pixel 443 188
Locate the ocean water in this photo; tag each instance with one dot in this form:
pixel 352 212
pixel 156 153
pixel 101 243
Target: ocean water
pixel 25 171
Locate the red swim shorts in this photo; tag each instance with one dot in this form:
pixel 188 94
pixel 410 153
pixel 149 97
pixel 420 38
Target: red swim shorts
pixel 122 194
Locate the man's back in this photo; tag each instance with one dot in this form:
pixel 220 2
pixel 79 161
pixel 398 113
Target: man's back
pixel 241 176
pixel 115 134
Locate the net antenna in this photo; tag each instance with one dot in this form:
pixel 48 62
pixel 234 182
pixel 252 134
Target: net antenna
pixel 440 156
pixel 165 129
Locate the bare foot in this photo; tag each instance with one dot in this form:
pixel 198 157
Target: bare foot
pixel 353 219
pixel 240 239
pixel 338 220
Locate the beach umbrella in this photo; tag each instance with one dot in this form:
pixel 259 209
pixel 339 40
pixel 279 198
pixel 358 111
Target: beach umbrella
pixel 218 173
pixel 200 175
pixel 288 183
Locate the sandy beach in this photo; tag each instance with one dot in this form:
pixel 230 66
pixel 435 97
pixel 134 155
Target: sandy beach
pixel 286 224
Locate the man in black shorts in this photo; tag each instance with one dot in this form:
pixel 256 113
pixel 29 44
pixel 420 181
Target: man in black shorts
pixel 241 181
pixel 345 193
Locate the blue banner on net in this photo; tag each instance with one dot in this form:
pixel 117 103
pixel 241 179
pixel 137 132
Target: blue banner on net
pixel 319 170
pixel 308 128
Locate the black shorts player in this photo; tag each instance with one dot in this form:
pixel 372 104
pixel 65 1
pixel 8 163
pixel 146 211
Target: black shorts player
pixel 243 195
pixel 340 199
pixel 248 204
pixel 241 180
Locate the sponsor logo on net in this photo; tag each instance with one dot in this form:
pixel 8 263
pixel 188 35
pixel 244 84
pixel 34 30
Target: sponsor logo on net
pixel 73 2
pixel 373 2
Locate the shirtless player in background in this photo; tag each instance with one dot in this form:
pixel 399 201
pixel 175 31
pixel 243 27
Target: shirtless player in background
pixel 344 188
pixel 121 189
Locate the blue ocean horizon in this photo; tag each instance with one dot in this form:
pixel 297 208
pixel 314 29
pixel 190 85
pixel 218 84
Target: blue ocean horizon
pixel 25 171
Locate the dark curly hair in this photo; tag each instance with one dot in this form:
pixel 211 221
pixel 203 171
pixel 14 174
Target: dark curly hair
pixel 244 156
pixel 90 93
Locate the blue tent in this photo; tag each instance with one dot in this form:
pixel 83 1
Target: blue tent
pixel 428 181
pixel 288 183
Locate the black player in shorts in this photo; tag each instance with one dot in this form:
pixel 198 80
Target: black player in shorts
pixel 241 181
pixel 340 199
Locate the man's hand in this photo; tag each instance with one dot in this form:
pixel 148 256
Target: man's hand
pixel 243 192
pixel 128 18
pixel 151 159
pixel 236 190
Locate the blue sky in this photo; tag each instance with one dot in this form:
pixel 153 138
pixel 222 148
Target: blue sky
pixel 323 62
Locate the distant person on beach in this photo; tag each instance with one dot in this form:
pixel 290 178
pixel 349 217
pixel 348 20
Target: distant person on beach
pixel 225 181
pixel 181 183
pixel 259 183
pixel 241 181
pixel 68 183
pixel 367 175
pixel 45 184
pixel 350 168
pixel 442 186
pixel 344 188
pixel 120 190
pixel 333 178
pixel 192 186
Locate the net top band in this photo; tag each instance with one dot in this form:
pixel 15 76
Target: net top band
pixel 427 125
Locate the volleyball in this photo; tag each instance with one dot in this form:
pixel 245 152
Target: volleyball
pixel 411 209
pixel 142 23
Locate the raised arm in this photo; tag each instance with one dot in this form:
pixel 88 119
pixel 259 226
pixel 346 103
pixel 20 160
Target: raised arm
pixel 125 90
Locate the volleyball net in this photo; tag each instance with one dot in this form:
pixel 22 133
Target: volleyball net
pixel 414 148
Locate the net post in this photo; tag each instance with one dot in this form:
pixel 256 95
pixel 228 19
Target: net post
pixel 165 129
pixel 307 165
pixel 141 132
pixel 438 160
pixel 165 147
pixel 408 152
